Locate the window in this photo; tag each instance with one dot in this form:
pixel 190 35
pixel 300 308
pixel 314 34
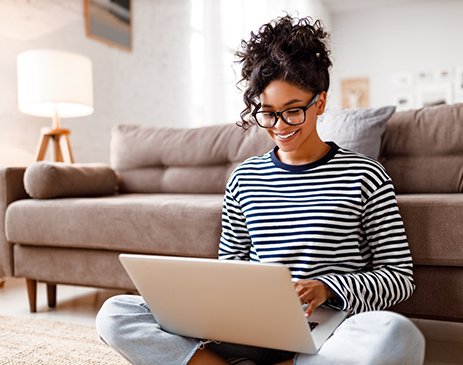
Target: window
pixel 218 26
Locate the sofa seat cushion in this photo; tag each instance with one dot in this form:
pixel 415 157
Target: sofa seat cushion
pixel 166 224
pixel 433 226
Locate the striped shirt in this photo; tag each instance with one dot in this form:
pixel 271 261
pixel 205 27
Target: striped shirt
pixel 335 220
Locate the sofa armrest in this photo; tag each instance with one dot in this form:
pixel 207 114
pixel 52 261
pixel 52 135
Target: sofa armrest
pixel 11 189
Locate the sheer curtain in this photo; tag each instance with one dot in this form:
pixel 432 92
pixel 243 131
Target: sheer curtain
pixel 218 28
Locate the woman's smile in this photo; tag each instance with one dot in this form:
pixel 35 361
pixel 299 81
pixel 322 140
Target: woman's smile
pixel 284 136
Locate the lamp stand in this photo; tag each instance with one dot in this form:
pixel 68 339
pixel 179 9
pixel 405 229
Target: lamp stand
pixel 55 134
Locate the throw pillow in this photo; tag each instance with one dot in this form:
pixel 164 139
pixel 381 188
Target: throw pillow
pixel 44 180
pixel 358 130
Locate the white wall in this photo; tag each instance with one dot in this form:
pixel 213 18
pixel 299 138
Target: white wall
pixel 150 85
pixel 376 43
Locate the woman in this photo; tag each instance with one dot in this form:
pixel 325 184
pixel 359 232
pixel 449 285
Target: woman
pixel 327 213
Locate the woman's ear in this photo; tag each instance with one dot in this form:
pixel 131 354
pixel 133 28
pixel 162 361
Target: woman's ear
pixel 321 103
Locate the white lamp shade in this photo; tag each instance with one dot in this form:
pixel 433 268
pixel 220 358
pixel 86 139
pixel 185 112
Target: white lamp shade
pixel 51 81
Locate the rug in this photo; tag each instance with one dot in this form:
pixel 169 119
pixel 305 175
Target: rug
pixel 30 342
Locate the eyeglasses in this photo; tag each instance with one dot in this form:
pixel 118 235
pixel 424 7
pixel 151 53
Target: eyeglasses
pixel 291 116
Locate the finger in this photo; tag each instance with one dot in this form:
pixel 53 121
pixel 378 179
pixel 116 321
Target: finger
pixel 305 297
pixel 310 309
pixel 298 286
pixel 303 294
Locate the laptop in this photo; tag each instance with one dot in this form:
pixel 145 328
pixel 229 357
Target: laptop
pixel 232 301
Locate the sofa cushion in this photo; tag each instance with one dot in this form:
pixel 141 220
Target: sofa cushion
pixel 422 150
pixel 358 130
pixel 433 226
pixel 190 160
pixel 190 225
pixel 44 180
pixel 100 268
pixel 186 225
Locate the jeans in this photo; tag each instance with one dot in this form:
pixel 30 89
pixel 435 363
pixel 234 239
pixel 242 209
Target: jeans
pixel 375 338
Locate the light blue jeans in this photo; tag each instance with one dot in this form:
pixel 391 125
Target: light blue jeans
pixel 126 324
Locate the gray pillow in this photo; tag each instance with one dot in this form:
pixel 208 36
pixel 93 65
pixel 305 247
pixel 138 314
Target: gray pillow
pixel 358 130
pixel 44 180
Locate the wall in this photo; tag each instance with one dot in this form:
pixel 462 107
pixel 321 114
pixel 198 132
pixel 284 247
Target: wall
pixel 376 43
pixel 146 85
pixel 150 85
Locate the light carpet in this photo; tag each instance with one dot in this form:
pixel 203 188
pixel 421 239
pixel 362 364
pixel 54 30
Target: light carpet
pixel 34 342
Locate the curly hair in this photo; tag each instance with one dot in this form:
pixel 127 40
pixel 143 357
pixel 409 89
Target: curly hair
pixel 288 49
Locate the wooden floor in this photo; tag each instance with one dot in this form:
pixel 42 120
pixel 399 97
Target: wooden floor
pixel 444 340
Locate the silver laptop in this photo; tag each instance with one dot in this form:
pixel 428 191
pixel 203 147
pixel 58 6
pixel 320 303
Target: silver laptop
pixel 230 301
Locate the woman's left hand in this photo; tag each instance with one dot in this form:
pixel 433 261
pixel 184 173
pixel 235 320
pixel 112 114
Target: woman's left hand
pixel 314 293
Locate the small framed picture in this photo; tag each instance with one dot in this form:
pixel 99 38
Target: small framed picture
pixel 402 80
pixel 110 21
pixel 404 101
pixel 423 76
pixel 444 74
pixel 355 93
pixel 434 94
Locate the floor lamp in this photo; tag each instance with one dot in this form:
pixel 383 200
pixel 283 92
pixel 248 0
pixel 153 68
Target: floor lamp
pixel 55 84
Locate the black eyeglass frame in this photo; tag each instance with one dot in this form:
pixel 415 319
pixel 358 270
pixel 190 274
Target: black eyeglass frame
pixel 280 113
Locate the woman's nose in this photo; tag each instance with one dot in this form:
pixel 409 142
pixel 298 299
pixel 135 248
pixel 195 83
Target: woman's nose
pixel 280 124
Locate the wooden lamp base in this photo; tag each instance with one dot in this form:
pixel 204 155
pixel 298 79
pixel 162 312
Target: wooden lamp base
pixel 60 138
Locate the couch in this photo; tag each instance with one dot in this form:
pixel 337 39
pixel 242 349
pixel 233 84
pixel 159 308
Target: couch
pixel 168 201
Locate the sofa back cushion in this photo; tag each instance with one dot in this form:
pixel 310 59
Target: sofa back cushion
pixel 422 150
pixel 191 160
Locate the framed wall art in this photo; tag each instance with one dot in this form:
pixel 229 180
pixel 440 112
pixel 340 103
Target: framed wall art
pixel 110 21
pixel 404 101
pixel 444 74
pixel 423 76
pixel 402 80
pixel 355 93
pixel 434 94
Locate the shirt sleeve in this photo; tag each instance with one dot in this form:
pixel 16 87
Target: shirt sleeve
pixel 235 241
pixel 388 279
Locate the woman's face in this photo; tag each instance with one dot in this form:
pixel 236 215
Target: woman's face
pixel 293 140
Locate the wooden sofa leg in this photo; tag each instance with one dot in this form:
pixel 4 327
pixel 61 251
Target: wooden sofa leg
pixel 32 294
pixel 51 295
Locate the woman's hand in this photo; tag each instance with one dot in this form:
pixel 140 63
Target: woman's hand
pixel 314 293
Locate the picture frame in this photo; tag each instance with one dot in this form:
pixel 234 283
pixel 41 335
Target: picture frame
pixel 403 101
pixel 402 80
pixel 355 93
pixel 110 21
pixel 423 76
pixel 434 94
pixel 443 74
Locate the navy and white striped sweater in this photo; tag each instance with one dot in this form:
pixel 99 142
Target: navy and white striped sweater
pixel 335 220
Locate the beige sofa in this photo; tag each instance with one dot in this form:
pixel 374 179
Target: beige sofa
pixel 170 200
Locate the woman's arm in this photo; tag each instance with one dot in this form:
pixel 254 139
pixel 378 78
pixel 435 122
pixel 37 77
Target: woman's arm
pixel 389 279
pixel 235 242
